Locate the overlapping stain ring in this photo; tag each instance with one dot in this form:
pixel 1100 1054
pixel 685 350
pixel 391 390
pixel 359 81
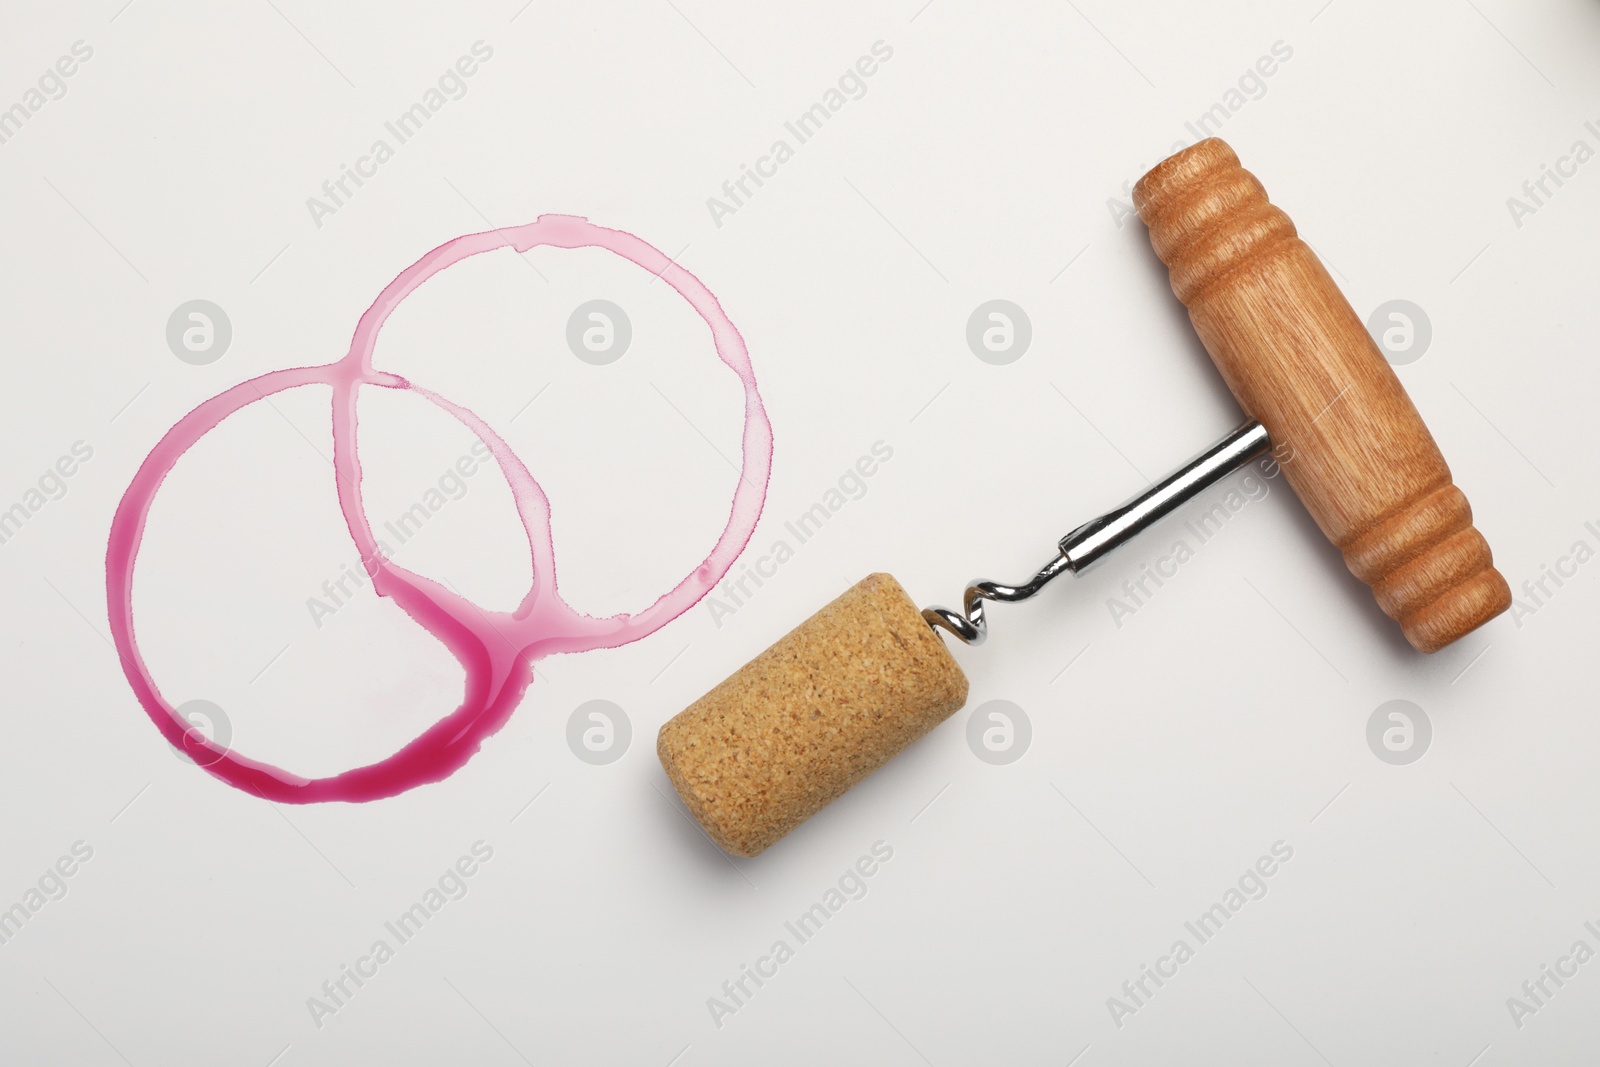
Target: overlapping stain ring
pixel 495 649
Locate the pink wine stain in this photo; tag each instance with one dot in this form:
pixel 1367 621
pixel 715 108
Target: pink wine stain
pixel 495 649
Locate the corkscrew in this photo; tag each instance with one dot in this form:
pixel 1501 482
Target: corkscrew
pixel 869 673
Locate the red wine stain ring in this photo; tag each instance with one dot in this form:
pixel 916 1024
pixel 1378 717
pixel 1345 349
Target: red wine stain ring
pixel 496 649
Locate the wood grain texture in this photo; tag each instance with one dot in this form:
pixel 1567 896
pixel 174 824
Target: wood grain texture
pixel 1301 363
pixel 828 704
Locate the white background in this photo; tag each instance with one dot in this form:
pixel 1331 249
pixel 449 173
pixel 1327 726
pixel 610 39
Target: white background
pixel 1168 753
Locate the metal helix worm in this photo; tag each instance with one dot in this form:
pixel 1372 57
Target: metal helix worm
pixel 970 624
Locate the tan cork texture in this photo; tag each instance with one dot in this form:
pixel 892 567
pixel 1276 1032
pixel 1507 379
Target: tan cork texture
pixel 821 709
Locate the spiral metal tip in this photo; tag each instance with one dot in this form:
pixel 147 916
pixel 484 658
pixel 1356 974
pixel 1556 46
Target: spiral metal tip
pixel 970 624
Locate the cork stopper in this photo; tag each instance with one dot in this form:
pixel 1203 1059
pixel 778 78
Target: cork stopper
pixel 828 704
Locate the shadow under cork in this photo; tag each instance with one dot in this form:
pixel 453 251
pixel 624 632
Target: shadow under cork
pixel 689 838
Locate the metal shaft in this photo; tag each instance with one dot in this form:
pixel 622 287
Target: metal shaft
pixel 1090 542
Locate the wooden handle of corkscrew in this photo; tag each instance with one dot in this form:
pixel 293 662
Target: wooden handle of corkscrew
pixel 1301 363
